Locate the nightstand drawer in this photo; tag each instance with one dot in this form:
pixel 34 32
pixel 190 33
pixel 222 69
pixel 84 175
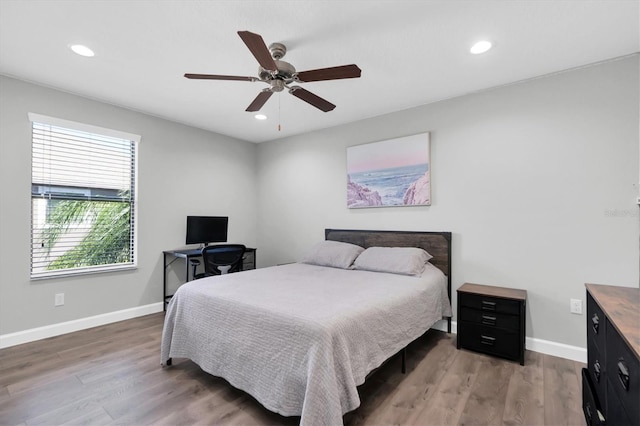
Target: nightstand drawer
pixel 490 304
pixel 490 340
pixel 491 319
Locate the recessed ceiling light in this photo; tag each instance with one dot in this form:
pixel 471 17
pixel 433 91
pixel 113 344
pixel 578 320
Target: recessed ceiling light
pixel 260 117
pixel 480 47
pixel 82 50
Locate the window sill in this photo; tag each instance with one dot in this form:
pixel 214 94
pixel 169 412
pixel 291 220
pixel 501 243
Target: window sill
pixel 82 271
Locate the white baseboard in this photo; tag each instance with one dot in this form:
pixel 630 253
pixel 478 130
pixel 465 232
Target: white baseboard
pixel 561 350
pixel 26 336
pixel 442 326
pixel 548 347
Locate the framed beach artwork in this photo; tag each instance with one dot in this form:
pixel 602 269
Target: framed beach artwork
pixel 394 172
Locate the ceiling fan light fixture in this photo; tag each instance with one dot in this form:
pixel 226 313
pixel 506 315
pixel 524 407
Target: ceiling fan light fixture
pixel 82 50
pixel 260 117
pixel 480 47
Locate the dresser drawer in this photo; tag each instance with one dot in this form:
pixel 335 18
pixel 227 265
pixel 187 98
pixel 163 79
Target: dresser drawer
pixel 490 340
pixel 595 322
pixel 489 304
pixel 623 373
pixel 491 319
pixel 616 414
pixel 590 402
pixel 596 369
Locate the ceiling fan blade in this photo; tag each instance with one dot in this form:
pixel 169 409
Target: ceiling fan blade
pixel 312 99
pixel 256 45
pixel 332 73
pixel 259 101
pixel 219 77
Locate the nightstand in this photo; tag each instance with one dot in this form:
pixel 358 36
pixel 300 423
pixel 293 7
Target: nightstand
pixel 491 320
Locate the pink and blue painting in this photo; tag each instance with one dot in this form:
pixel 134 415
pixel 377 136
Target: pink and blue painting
pixel 394 172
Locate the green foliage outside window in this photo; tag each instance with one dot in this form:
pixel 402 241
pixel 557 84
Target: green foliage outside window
pixel 106 241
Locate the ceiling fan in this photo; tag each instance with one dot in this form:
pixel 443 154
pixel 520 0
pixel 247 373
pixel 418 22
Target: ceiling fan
pixel 279 75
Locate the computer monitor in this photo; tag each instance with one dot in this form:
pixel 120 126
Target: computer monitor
pixel 207 229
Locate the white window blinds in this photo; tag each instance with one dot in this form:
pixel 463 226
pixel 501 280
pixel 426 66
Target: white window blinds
pixel 83 192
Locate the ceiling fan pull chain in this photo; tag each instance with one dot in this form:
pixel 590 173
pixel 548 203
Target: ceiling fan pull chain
pixel 279 112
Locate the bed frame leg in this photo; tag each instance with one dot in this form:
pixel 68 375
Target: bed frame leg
pixel 168 363
pixel 449 325
pixel 404 360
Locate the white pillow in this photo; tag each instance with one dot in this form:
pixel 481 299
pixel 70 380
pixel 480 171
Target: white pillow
pixel 332 253
pixel 394 260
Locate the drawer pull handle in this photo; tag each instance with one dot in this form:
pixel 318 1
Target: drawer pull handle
pixel 487 340
pixel 587 408
pixel 596 370
pixel 595 323
pixel 488 306
pixel 623 374
pixel 487 320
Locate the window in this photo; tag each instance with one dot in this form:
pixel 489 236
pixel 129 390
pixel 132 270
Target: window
pixel 83 198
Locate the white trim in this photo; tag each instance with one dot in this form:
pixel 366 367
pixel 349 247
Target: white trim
pixel 133 202
pixel 574 353
pixel 98 269
pixel 442 326
pixel 39 333
pixel 82 127
pixel 561 350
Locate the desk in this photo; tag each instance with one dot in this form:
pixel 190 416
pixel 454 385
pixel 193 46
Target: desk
pixel 248 262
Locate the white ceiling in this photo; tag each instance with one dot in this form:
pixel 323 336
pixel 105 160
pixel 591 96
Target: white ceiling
pixel 411 52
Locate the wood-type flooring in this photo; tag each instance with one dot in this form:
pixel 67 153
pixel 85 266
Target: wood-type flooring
pixel 111 375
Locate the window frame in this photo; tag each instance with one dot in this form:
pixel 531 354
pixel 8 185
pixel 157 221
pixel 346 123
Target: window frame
pixel 101 131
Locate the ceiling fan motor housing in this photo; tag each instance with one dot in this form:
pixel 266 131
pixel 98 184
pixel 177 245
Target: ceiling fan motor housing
pixel 285 72
pixel 278 50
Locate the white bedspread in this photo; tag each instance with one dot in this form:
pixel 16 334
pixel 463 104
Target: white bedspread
pixel 299 338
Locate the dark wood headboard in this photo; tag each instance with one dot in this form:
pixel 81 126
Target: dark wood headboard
pixel 437 244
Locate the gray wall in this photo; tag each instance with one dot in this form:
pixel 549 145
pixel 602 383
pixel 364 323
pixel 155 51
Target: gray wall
pixel 178 167
pixel 536 180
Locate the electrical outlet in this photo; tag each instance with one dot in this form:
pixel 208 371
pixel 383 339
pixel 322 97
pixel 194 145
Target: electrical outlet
pixel 576 306
pixel 59 299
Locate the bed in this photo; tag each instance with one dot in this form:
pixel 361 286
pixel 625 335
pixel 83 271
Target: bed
pixel 301 337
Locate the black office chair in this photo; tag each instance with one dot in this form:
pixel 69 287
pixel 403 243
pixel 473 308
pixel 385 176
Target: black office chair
pixel 219 260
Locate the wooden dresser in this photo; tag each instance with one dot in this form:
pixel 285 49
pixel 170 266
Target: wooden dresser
pixel 611 381
pixel 491 320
